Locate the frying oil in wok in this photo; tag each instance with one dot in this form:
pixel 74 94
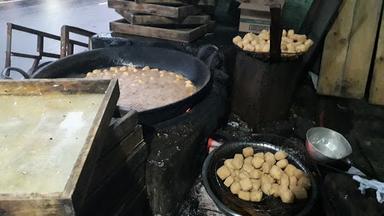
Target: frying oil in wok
pixel 145 88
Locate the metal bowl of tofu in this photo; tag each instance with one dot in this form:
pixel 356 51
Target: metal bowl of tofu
pixel 231 204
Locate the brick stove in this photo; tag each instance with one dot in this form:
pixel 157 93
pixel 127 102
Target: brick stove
pixel 177 147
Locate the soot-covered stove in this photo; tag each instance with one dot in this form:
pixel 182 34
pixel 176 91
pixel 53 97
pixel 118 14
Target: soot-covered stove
pixel 178 145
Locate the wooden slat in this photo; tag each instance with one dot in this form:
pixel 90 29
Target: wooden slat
pixel 175 2
pixel 142 19
pixel 363 36
pixel 119 187
pixel 41 207
pixel 114 160
pixel 79 180
pixel 48 86
pixel 335 51
pixel 123 126
pixel 349 79
pixel 178 2
pixel 159 10
pixel 118 130
pixel 183 35
pixel 376 93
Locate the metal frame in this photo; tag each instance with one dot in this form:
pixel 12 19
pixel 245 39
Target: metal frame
pixel 66 44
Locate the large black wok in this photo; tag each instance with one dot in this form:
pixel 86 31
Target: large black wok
pixel 191 67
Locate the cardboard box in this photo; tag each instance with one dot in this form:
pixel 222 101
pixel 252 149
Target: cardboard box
pixel 255 15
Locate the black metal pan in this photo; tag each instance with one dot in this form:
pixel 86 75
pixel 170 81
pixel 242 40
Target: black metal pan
pixel 231 205
pixel 191 67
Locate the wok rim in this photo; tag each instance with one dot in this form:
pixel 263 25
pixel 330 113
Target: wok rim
pixel 198 95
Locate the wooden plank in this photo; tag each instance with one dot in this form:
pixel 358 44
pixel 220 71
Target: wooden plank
pixel 349 80
pixel 376 93
pixel 43 207
pixel 68 201
pixel 317 24
pixel 119 187
pixel 178 2
pixel 159 10
pixel 47 86
pixel 121 127
pixel 360 50
pixel 80 179
pixel 142 19
pixel 118 130
pixel 182 35
pixel 169 2
pixel 335 51
pixel 114 160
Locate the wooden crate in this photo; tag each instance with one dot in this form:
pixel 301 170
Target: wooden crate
pixel 121 187
pixel 119 168
pixel 142 19
pixel 71 198
pixel 115 159
pixel 376 93
pixel 158 10
pixel 348 49
pixel 179 2
pixel 168 2
pixel 119 128
pixel 180 34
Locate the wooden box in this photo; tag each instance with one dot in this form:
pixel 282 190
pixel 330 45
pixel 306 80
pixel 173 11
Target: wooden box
pixel 152 20
pixel 121 187
pixel 119 173
pixel 51 135
pixel 178 34
pixel 172 11
pixel 115 159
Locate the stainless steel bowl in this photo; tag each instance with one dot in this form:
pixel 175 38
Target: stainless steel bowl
pixel 324 144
